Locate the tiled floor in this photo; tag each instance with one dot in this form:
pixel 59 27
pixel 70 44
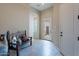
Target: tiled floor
pixel 40 48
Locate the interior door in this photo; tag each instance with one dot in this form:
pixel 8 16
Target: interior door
pixel 66 29
pixel 34 25
pixel 76 29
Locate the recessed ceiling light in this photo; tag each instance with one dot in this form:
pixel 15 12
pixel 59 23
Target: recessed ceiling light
pixel 42 3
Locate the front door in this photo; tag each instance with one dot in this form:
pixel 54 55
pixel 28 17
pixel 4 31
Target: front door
pixel 66 29
pixel 76 29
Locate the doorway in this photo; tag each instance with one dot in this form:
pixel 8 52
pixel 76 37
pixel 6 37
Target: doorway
pixel 46 27
pixel 34 25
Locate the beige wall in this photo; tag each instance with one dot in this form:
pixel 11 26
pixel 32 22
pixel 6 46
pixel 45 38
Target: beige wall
pixel 14 17
pixel 56 24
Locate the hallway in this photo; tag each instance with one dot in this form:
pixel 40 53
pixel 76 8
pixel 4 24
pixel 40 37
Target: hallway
pixel 41 48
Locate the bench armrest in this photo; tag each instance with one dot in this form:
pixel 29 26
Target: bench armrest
pixel 30 39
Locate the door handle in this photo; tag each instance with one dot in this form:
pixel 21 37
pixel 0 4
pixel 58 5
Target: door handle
pixel 61 33
pixel 78 39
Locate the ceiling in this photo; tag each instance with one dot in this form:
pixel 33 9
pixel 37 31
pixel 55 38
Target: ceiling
pixel 41 6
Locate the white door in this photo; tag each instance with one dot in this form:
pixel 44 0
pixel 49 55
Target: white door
pixel 76 29
pixel 66 29
pixel 34 25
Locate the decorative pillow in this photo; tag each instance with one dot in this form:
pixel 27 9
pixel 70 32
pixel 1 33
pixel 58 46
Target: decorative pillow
pixel 2 37
pixel 24 38
pixel 14 41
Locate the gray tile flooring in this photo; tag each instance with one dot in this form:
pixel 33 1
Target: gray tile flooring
pixel 40 48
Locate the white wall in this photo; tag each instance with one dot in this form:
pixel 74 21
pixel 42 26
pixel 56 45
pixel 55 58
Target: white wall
pixel 14 17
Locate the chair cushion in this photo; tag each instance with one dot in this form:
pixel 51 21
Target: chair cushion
pixel 2 37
